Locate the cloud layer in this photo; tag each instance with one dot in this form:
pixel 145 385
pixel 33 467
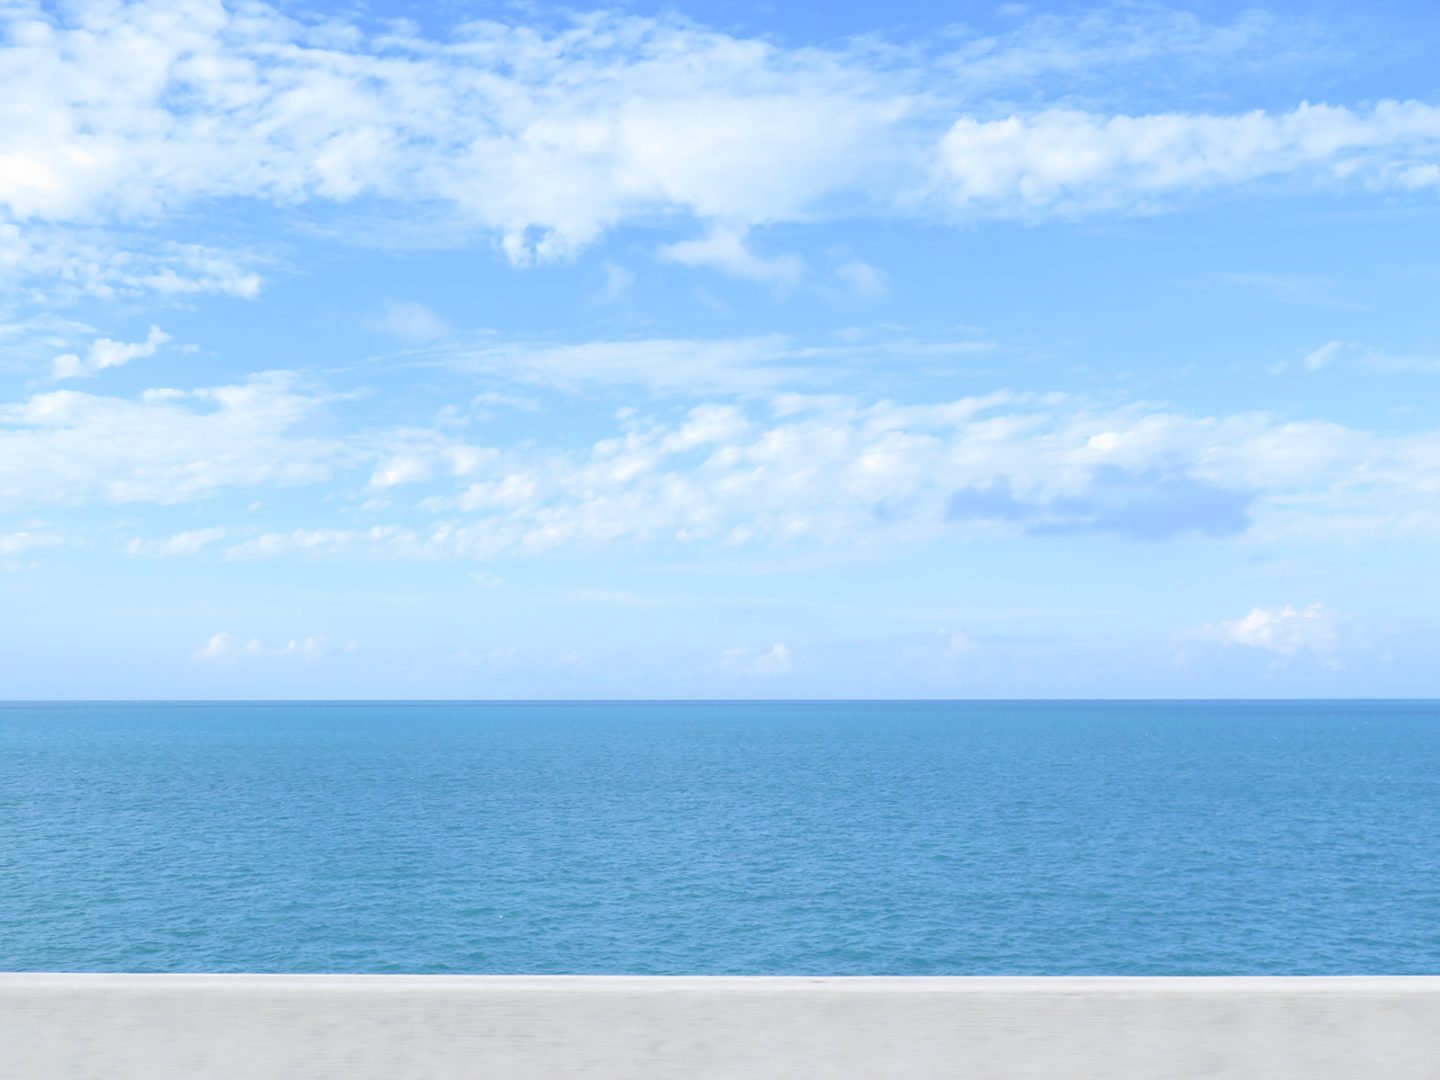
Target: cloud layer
pixel 166 446
pixel 787 468
pixel 543 137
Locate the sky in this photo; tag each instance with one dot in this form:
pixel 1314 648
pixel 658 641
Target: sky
pixel 722 350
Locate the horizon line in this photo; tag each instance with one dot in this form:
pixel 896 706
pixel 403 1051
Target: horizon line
pixel 709 701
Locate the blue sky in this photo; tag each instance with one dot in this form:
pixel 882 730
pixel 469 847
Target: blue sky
pixel 722 350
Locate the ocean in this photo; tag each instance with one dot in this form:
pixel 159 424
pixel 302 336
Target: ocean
pixel 1079 838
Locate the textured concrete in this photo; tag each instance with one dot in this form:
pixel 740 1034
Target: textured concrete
pixel 225 1027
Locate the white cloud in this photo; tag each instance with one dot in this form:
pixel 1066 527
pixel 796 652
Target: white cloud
pixel 392 540
pixel 1319 358
pixel 618 283
pixel 165 446
pixel 401 469
pixel 831 471
pixel 107 353
pixel 770 662
pixel 411 321
pixel 1285 631
pixel 46 263
pixel 16 542
pixel 725 248
pixel 228 646
pixel 190 542
pixel 775 469
pixel 544 137
pixel 1063 160
pixel 547 137
pixel 684 367
pixel 860 278
pixel 1392 363
pixel 1370 358
pixel 665 366
pixel 956 643
pixel 1109 42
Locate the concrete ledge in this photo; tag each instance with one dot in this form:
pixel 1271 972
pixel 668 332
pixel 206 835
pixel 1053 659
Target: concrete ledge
pixel 259 1027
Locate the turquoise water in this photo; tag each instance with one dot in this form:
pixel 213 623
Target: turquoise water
pixel 1071 838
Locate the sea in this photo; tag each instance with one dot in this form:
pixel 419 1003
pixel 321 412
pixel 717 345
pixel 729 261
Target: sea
pixel 823 838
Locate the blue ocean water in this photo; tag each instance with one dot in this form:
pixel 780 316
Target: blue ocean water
pixel 966 838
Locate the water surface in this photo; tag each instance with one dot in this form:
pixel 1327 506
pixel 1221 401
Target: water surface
pixel 907 839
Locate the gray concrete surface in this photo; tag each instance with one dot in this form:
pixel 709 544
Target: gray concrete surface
pixel 257 1027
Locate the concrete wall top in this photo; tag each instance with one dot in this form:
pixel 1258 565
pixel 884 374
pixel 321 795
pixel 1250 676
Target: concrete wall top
pixel 257 1027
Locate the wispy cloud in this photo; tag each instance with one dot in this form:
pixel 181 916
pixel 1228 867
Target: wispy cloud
pixel 106 353
pixel 189 542
pixel 164 446
pixel 28 540
pixel 1369 358
pixel 226 646
pixel 46 263
pixel 1300 290
pixel 690 367
pixel 1066 162
pixel 665 366
pixel 726 249
pixel 1316 359
pixel 765 663
pixel 410 321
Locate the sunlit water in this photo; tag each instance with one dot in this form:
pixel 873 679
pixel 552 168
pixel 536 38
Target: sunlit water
pixel 1143 838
